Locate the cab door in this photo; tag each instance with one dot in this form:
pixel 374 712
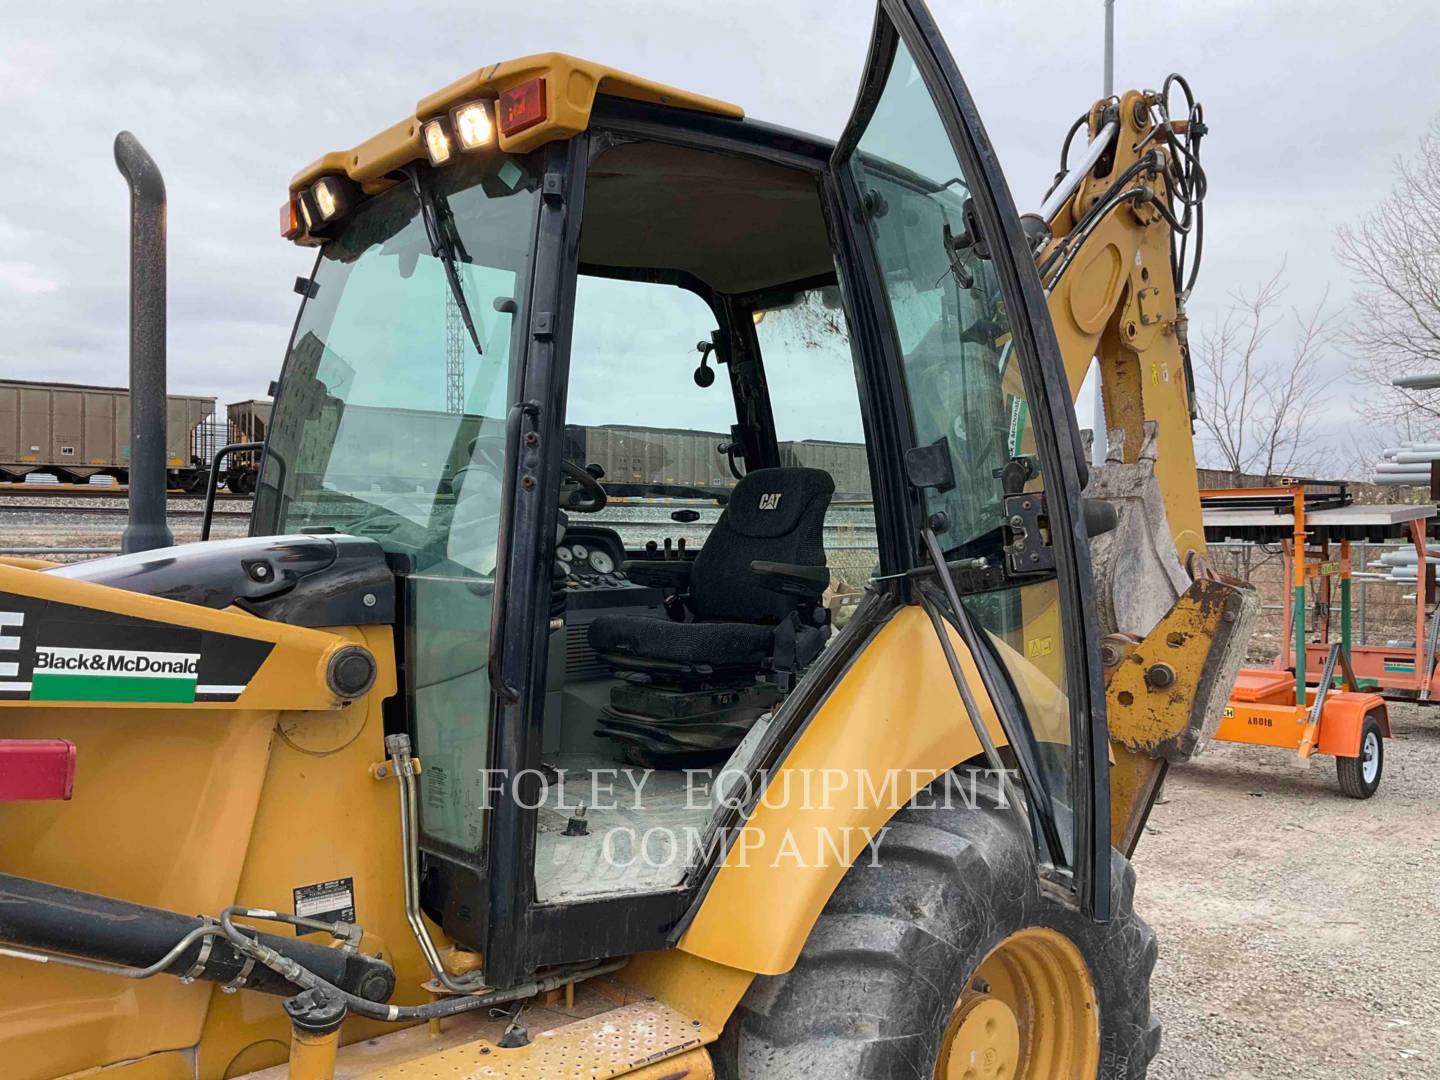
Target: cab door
pixel 940 270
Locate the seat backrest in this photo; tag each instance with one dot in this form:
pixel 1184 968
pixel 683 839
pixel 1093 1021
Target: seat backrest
pixel 777 515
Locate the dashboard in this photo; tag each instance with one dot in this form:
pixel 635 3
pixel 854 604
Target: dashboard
pixel 591 558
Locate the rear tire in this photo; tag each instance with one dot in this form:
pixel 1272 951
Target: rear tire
pixel 894 964
pixel 1360 775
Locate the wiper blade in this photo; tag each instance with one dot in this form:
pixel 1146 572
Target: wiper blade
pixel 442 249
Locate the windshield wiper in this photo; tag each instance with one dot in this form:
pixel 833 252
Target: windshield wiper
pixel 442 248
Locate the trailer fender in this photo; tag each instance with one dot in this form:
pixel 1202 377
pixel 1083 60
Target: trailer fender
pixel 1343 718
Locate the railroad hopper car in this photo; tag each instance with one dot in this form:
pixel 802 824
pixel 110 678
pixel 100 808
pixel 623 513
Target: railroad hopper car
pixel 245 421
pixel 641 461
pixel 75 433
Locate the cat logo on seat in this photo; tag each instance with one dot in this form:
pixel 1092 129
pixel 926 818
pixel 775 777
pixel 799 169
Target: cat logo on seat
pixel 770 500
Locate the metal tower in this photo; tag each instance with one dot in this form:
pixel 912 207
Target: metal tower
pixel 454 356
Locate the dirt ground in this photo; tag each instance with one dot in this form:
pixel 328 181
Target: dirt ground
pixel 1299 929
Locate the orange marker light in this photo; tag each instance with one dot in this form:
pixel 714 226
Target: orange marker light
pixel 289 223
pixel 521 107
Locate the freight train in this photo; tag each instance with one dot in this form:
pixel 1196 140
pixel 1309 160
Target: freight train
pixel 74 433
pixel 639 459
pixel 81 434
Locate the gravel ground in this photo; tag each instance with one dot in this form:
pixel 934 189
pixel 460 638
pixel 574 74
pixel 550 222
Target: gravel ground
pixel 1299 929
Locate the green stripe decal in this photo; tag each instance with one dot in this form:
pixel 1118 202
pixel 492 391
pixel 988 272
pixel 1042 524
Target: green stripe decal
pixel 66 687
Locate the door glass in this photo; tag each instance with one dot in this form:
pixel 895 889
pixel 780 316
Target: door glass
pixel 634 409
pixel 390 425
pixel 813 386
pixel 964 387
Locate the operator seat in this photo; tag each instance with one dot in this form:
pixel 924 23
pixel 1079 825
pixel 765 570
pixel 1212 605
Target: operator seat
pixel 774 516
pixel 692 690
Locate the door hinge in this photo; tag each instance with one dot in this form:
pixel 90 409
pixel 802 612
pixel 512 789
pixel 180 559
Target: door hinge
pixel 553 187
pixel 543 325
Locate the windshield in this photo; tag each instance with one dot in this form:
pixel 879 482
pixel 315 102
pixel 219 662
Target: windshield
pixel 390 420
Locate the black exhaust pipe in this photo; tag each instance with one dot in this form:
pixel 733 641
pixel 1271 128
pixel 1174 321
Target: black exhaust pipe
pixel 147 528
pixel 53 919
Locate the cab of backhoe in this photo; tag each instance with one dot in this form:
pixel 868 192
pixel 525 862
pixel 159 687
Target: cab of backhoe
pixel 659 415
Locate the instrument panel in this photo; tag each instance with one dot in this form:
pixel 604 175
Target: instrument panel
pixel 591 559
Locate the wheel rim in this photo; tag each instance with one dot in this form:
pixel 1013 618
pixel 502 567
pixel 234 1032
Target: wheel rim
pixel 1029 1013
pixel 1370 758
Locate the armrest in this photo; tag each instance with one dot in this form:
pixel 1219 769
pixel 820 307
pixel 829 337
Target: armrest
pixel 792 579
pixel 661 573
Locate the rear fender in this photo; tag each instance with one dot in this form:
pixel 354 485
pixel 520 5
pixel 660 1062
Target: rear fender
pixel 1343 718
pixel 892 724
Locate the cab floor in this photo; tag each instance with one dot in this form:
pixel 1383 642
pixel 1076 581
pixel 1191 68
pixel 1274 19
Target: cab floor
pixel 642 828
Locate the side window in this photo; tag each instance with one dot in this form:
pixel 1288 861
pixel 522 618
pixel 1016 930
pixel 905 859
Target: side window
pixel 964 388
pixel 634 408
pixel 815 401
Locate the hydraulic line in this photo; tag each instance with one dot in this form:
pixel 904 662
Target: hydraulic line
pixel 435 1010
pixel 398 747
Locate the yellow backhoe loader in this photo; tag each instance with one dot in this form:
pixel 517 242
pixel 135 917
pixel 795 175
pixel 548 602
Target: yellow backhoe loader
pixel 512 742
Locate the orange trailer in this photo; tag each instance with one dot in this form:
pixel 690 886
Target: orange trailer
pixel 1278 706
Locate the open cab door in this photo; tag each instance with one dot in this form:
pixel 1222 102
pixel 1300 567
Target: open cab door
pixel 940 264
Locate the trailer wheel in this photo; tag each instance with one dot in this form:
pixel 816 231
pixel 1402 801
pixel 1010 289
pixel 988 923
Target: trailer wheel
pixel 942 957
pixel 1360 775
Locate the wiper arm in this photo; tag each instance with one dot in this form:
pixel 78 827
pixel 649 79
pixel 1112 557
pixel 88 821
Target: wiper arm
pixel 441 248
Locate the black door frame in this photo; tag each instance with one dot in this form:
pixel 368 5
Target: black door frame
pixel 1057 440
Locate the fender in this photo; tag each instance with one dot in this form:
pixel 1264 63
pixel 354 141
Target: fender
pixel 1343 718
pixel 793 850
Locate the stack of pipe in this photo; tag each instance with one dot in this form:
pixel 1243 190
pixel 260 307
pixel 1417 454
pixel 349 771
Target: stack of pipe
pixel 1407 464
pixel 1399 564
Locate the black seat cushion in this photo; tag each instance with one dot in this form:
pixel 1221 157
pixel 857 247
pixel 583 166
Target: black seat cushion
pixel 774 515
pixel 718 644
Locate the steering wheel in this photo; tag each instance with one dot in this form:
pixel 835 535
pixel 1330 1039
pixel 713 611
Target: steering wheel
pixel 586 496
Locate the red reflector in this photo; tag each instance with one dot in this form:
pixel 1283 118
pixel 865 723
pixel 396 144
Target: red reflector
pixel 521 107
pixel 289 223
pixel 36 769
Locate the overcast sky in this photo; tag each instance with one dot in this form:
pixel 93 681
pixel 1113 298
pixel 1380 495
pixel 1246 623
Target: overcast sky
pixel 1309 102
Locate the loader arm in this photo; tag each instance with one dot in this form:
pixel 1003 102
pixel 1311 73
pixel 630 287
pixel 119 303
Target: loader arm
pixel 1173 633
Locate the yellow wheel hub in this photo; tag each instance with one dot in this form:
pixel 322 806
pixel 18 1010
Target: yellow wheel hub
pixel 986 1042
pixel 1029 1014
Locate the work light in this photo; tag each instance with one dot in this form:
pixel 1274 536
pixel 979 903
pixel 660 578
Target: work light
pixel 473 125
pixel 437 142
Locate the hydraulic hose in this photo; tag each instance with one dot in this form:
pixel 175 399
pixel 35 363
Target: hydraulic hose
pixel 435 1010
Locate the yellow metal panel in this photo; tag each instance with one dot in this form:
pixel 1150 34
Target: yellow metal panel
pixel 570 87
pixel 292 677
pixel 322 816
pixel 641 1040
pixel 178 1065
pixel 600 1048
pixel 161 815
pixel 896 719
pixel 697 987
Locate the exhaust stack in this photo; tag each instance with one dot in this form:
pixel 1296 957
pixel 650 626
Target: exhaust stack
pixel 147 528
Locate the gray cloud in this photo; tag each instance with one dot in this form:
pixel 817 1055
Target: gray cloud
pixel 1309 101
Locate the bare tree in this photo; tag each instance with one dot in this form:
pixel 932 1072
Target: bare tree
pixel 1394 253
pixel 1258 405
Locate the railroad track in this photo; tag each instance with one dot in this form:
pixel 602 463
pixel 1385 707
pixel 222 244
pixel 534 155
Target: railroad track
pixel 120 511
pixel 97 491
